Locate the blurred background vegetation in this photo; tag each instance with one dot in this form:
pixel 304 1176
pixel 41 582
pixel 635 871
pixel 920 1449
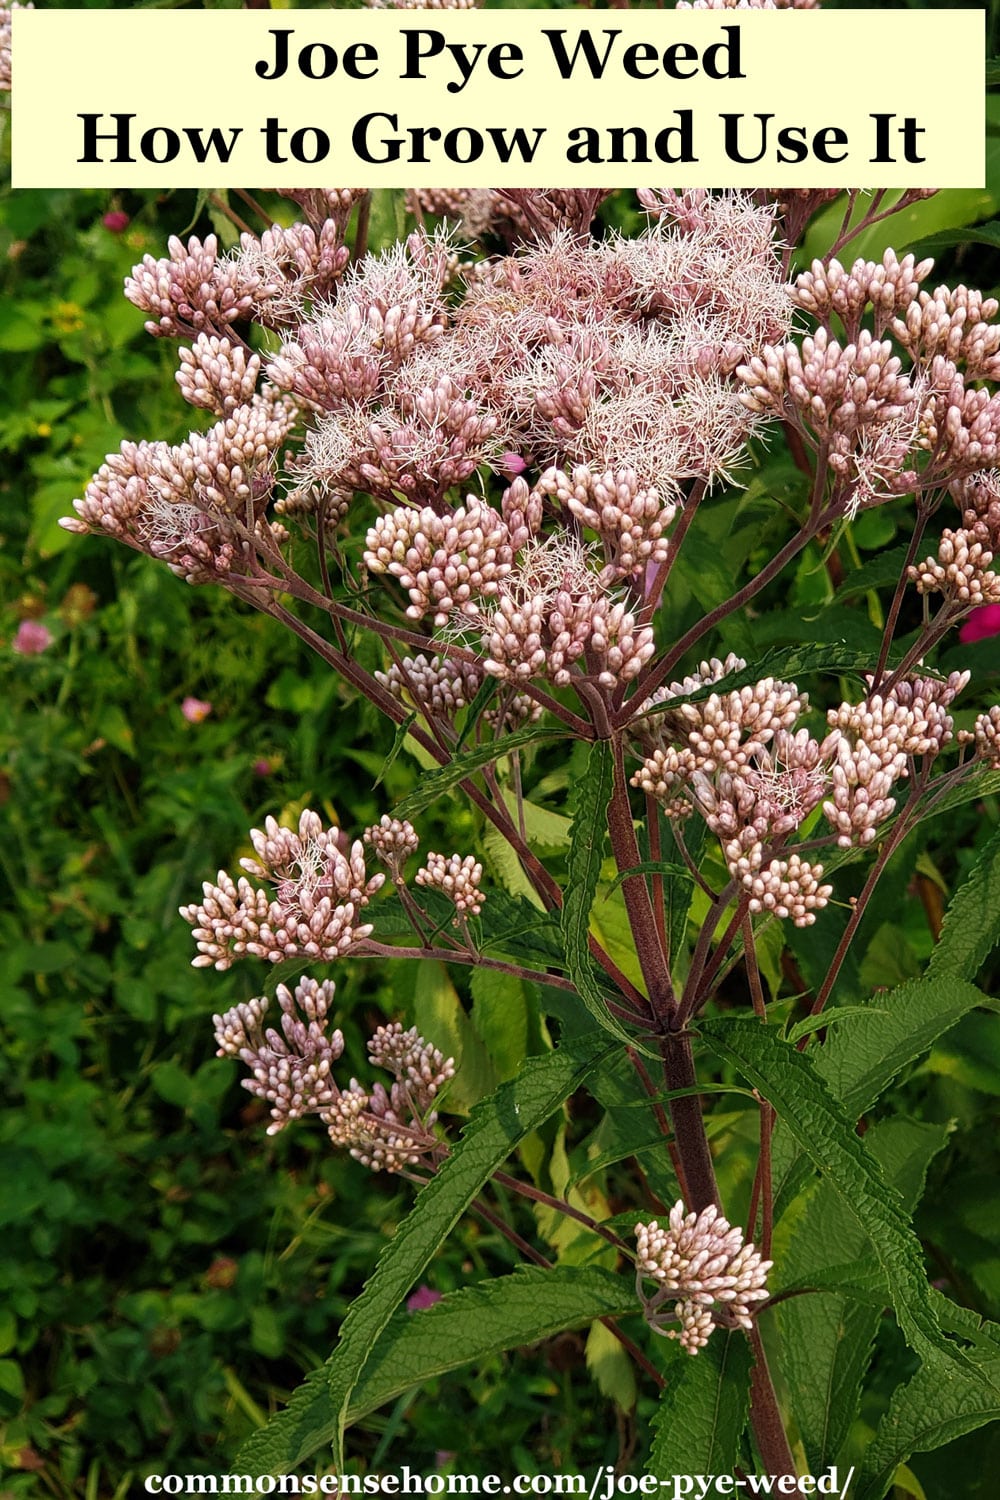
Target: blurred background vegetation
pixel 167 1273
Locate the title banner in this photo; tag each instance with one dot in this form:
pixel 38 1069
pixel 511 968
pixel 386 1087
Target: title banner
pixel 498 98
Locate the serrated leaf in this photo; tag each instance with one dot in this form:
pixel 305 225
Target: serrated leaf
pixel 583 871
pixel 858 1061
pixel 480 1321
pixel 613 1086
pixel 971 927
pixel 484 694
pixel 822 1129
pixel 702 1413
pixel 925 1413
pixel 317 1411
pixel 504 864
pixel 678 894
pixel 947 239
pixel 834 1017
pixel 827 1340
pixel 513 924
pixel 435 783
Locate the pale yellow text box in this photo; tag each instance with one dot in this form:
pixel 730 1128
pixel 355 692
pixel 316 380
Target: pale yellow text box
pixel 865 98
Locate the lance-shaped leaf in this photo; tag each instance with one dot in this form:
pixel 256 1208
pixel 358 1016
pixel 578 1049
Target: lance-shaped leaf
pixel 827 1339
pixel 860 1059
pixel 934 1407
pixel 825 1132
pixel 480 1321
pixel 703 1411
pixel 433 784
pixel 317 1411
pixel 971 927
pixel 583 870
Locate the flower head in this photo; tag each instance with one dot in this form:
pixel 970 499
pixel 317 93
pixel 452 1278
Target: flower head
pixel 31 638
pixel 195 709
pixel 704 1267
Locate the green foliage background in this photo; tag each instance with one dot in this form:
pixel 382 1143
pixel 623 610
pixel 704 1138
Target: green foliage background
pixel 167 1274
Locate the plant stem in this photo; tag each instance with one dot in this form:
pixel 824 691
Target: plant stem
pixel 763 1184
pixel 654 677
pixel 897 598
pixel 885 853
pixel 547 888
pixel 560 1206
pixel 689 1123
pixel 645 932
pixel 530 1253
pixel 765 1414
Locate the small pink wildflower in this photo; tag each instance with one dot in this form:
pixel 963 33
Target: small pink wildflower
pixel 981 624
pixel 32 638
pixel 512 464
pixel 195 709
pixel 424 1296
pixel 116 222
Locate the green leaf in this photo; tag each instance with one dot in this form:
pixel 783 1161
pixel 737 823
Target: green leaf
pixel 834 1017
pixel 511 924
pixel 981 234
pixel 648 867
pixel 611 1366
pixel 827 1340
pixel 504 1017
pixel 583 870
pixel 628 1128
pixel 545 829
pixel 317 1411
pixel 402 730
pixel 826 1134
pixel 905 230
pixel 877 572
pixel 970 1053
pixel 971 927
pixel 484 695
pixel 859 1060
pixel 435 783
pixel 480 1321
pixel 440 1017
pixel 925 1413
pixel 678 894
pixel 703 1411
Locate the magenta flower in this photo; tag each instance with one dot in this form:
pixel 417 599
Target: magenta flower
pixel 981 624
pixel 512 464
pixel 32 638
pixel 424 1296
pixel 115 222
pixel 195 709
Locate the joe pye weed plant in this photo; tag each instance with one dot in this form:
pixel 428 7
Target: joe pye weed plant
pixel 495 493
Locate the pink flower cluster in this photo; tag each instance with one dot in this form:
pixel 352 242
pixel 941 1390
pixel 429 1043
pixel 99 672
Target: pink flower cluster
pixel 292 1071
pixel 704 1269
